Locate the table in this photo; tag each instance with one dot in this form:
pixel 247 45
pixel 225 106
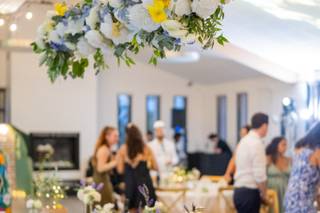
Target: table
pixel 204 194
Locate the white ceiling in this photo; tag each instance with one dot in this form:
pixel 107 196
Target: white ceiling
pixel 278 38
pixel 286 32
pixel 10 6
pixel 210 70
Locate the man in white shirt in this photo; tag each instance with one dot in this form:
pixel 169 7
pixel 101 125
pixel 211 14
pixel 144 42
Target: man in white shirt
pixel 251 165
pixel 163 149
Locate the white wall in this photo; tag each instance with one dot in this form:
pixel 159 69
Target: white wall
pixel 3 69
pixel 65 106
pixel 264 95
pixel 142 80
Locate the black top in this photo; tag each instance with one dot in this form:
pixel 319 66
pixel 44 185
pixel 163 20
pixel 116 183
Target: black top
pixel 135 177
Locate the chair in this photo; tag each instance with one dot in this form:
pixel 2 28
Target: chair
pixel 273 197
pixel 229 203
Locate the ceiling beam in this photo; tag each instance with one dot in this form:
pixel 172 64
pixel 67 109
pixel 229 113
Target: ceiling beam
pixel 255 62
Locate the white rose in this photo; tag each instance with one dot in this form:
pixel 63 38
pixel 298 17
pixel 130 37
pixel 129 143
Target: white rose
pixel 75 26
pixel 29 204
pixel 95 39
pixel 177 30
pixel 80 194
pixel 180 7
pixel 87 199
pixel 96 196
pixel 93 18
pixel 40 43
pixel 139 18
pixel 108 207
pixel 54 37
pixel 84 48
pixel 115 3
pixel 70 46
pixel 37 204
pixel 61 29
pixel 204 8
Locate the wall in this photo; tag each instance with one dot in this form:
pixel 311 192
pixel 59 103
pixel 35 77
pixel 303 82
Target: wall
pixel 264 95
pixel 142 80
pixel 3 69
pixel 66 106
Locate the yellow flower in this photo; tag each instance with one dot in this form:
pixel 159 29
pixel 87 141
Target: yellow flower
pixel 157 11
pixel 116 29
pixel 60 8
pixel 166 3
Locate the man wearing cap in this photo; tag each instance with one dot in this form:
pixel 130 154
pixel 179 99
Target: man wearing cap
pixel 163 149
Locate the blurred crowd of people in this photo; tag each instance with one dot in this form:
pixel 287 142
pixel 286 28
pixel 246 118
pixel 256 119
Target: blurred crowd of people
pixel 252 169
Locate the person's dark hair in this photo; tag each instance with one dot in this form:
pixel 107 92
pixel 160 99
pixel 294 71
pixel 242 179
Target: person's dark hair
pixel 177 136
pixel 149 132
pixel 247 127
pixel 272 148
pixel 311 140
pixel 134 141
pixel 258 120
pixel 212 136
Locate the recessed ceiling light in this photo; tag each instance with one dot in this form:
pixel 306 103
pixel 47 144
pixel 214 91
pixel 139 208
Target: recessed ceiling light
pixel 2 22
pixel 13 27
pixel 29 15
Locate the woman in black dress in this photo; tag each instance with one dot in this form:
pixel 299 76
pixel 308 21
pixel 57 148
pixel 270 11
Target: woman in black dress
pixel 135 160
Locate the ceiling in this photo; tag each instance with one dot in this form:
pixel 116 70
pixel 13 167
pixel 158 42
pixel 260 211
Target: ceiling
pixel 277 38
pixel 286 32
pixel 210 70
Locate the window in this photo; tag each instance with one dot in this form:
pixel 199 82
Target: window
pixel 124 115
pixel 222 116
pixel 2 105
pixel 153 110
pixel 179 117
pixel 242 112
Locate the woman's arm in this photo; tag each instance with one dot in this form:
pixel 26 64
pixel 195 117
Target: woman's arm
pixel 151 159
pixel 231 169
pixel 103 155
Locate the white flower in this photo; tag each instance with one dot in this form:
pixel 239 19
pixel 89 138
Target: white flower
pixel 54 37
pixel 108 207
pixel 40 43
pixel 50 14
pixel 84 48
pixel 117 32
pixel 80 194
pixel 93 17
pixel 37 204
pixel 139 18
pixel 116 3
pixel 45 28
pixel 95 39
pixel 96 196
pixel 75 26
pixel 177 30
pixel 29 204
pixel 180 7
pixel 6 199
pixel 70 45
pixel 61 29
pixel 204 8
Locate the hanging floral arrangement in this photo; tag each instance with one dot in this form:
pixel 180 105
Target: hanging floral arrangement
pixel 101 28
